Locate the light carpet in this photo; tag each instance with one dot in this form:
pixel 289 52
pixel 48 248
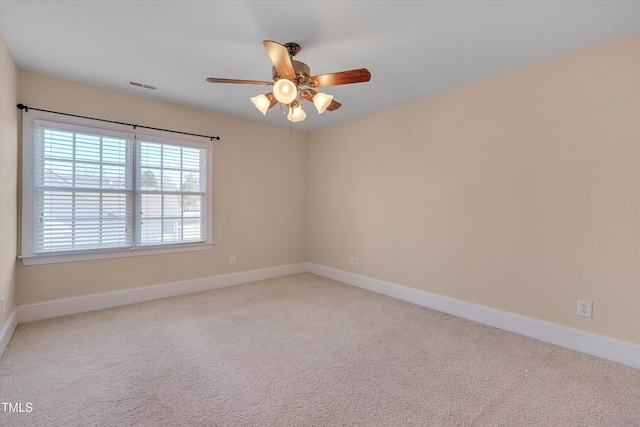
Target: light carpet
pixel 301 351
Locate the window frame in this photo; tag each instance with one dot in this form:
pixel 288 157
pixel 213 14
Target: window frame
pixel 28 190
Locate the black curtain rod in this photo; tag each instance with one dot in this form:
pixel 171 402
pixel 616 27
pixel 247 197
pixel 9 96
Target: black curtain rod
pixel 24 107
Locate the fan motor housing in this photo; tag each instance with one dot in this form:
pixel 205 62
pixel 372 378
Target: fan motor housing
pixel 302 72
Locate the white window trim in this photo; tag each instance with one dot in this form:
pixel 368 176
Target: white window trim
pixel 28 258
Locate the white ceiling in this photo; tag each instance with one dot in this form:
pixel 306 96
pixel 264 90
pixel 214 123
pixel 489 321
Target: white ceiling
pixel 412 48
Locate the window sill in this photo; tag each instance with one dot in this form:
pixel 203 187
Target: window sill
pixel 119 253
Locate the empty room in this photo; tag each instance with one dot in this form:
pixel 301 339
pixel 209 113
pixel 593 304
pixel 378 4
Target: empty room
pixel 320 213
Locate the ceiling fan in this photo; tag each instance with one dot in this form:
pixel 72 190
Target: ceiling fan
pixel 293 82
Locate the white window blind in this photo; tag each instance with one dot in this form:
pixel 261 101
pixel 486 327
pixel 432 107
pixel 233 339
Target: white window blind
pixel 83 190
pixel 109 192
pixel 171 193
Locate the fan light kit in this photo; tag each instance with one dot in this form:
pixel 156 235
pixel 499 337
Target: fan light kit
pixel 290 78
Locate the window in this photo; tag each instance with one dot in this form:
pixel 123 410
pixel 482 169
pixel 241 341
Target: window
pixel 104 192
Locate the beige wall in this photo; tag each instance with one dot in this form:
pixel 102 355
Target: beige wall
pixel 259 189
pixel 519 192
pixel 8 179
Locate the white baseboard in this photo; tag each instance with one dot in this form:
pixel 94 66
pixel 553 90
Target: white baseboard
pixel 8 329
pixel 608 348
pixel 624 352
pixel 84 303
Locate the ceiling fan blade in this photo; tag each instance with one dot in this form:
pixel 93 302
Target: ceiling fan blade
pixel 334 105
pixel 245 82
pixel 279 55
pixel 359 75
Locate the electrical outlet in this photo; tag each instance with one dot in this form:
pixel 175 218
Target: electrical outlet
pixel 585 308
pixel 351 261
pixel 232 260
pixel 2 306
pixel 356 261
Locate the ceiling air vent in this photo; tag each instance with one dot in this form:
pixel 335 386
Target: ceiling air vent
pixel 142 85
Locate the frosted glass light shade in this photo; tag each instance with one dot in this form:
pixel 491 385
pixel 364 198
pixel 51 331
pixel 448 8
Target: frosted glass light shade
pixel 285 91
pixel 296 114
pixel 262 103
pixel 322 101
